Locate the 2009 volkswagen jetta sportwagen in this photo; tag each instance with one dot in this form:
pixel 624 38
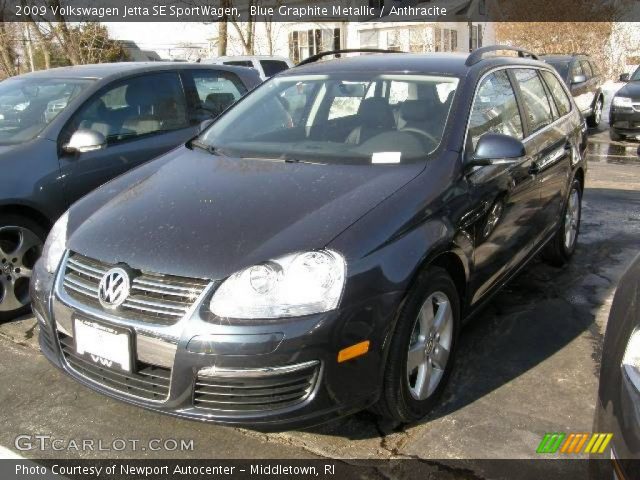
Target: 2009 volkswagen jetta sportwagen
pixel 316 250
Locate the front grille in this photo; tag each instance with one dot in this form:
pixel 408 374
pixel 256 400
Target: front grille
pixel 245 392
pixel 148 381
pixel 154 297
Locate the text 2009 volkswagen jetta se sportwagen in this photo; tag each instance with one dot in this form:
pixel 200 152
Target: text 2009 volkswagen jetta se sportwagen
pixel 315 251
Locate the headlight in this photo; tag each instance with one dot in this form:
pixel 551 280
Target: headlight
pixel 55 245
pixel 631 359
pixel 297 284
pixel 624 102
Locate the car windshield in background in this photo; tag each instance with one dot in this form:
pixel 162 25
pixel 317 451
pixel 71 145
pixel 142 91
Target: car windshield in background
pixel 28 105
pixel 344 118
pixel 561 67
pixel 636 75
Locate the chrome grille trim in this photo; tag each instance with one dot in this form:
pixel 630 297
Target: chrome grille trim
pixel 243 391
pixel 154 297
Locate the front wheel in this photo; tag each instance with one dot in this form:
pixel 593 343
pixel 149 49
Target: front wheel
pixel 21 241
pixel 422 348
pixel 594 119
pixel 560 249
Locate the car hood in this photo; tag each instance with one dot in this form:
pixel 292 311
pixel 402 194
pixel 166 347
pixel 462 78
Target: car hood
pixel 631 89
pixel 194 214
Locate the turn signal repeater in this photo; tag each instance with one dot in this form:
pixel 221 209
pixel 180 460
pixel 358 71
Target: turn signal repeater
pixel 353 351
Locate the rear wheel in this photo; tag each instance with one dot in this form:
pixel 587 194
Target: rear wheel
pixel 21 241
pixel 560 249
pixel 422 348
pixel 594 119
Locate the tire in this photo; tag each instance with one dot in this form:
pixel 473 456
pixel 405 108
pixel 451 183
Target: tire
pixel 594 119
pixel 402 399
pixel 561 247
pixel 21 241
pixel 613 135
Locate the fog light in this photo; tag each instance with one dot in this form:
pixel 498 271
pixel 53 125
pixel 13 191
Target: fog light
pixel 353 351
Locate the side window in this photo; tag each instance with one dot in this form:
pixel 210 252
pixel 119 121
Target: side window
pixel 137 106
pixel 216 90
pixel 586 68
pixel 558 93
pixel 271 67
pixel 576 69
pixel 536 103
pixel 495 109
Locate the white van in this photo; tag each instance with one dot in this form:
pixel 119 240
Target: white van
pixel 266 65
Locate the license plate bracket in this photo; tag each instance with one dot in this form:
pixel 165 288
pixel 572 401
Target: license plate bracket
pixel 102 344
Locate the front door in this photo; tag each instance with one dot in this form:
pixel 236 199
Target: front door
pixel 140 117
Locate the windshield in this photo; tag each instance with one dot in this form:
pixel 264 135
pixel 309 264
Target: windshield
pixel 346 118
pixel 561 67
pixel 636 75
pixel 27 105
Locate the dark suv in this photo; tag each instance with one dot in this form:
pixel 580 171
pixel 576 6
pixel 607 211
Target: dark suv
pixel 65 131
pixel 584 81
pixel 318 248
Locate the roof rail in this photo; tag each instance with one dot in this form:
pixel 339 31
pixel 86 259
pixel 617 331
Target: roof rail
pixel 478 53
pixel 318 56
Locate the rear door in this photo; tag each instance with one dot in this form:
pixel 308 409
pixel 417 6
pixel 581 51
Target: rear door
pixel 505 196
pixel 554 177
pixel 548 142
pixel 141 118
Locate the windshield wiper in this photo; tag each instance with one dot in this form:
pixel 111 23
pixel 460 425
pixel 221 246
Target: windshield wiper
pixel 203 146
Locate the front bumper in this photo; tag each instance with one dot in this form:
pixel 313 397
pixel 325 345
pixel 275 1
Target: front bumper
pixel 625 122
pixel 241 357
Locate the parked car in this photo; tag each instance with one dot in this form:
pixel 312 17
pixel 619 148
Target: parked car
pixel 64 132
pixel 624 116
pixel 618 405
pixel 584 81
pixel 294 263
pixel 266 65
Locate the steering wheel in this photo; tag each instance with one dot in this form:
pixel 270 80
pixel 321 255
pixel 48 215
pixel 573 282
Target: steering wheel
pixel 421 133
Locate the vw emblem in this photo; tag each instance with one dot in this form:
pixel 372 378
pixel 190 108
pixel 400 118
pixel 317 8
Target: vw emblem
pixel 114 288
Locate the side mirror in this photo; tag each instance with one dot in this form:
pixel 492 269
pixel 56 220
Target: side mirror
pixel 495 149
pixel 578 79
pixel 625 77
pixel 84 140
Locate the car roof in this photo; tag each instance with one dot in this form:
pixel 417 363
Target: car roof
pixel 453 64
pixel 101 71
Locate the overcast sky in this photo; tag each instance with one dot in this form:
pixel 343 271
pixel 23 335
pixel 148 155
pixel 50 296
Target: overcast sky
pixel 160 36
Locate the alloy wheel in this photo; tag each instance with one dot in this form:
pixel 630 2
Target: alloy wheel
pixel 429 346
pixel 19 250
pixel 571 219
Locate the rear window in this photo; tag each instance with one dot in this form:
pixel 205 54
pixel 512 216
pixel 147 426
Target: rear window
pixel 271 67
pixel 535 99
